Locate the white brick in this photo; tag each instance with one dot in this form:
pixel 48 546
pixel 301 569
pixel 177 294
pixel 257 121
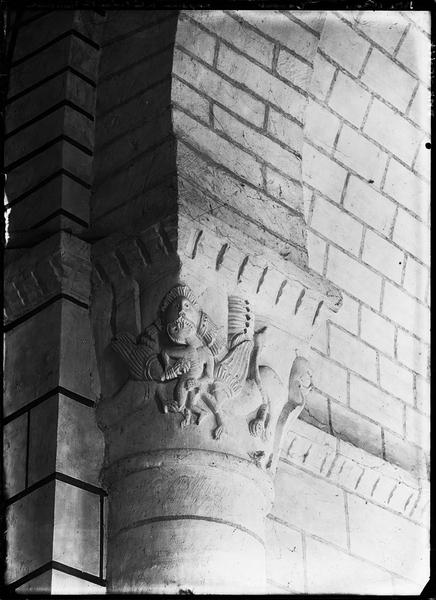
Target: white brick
pixel 356 429
pixel 413 353
pixel 375 404
pixel 396 379
pixel 415 53
pixel 316 248
pixel 393 132
pixel 219 149
pixel 322 173
pixel 348 315
pixel 421 17
pixel 423 395
pixel 413 236
pixel 195 40
pixel 407 189
pixel 261 82
pixel 418 428
pixel 293 69
pixel 190 100
pixel 208 82
pixel 257 143
pixel 319 339
pixel 361 155
pixel 245 39
pixel 383 256
pixel 353 576
pixel 284 547
pixel 342 44
pixel 422 161
pixel 280 28
pixel 349 99
pixel 406 311
pixel 284 189
pixel 370 206
pixel 336 225
pixel 377 331
pixel 329 377
pixel 420 109
pixel 322 77
pixel 374 532
pixel 385 27
pixel 416 280
pixel 388 80
pixel 354 277
pixel 352 353
pixel 321 125
pixel 294 488
pixel 285 130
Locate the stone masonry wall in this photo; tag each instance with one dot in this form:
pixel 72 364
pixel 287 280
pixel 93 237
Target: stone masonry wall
pixel 367 205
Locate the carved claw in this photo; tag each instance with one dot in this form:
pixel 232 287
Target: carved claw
pixel 218 431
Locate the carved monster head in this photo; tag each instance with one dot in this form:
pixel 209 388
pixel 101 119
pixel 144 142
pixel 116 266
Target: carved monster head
pixel 180 314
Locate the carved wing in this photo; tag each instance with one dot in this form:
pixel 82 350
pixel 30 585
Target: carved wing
pixel 231 372
pixel 140 357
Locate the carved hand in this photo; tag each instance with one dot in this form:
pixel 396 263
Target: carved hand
pixel 190 383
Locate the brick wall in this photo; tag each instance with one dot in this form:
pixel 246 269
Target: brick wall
pixel 367 200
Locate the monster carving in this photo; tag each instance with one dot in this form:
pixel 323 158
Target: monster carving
pixel 183 344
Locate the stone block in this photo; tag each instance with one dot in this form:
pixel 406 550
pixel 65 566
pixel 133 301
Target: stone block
pixel 413 353
pixel 323 516
pixel 413 236
pixel 219 149
pixel 422 395
pixel 195 40
pixel 329 377
pixel 33 367
pixel 366 203
pixel 354 277
pixel 323 173
pixel 79 460
pixel 422 162
pixel 332 571
pixel 323 73
pixel 343 45
pixel 348 316
pixel 383 256
pixel 396 379
pixel 418 428
pixel 210 83
pixel 406 455
pixel 357 430
pixel 374 531
pixel 286 131
pixel 197 105
pixel 316 248
pixel 406 311
pixel 284 556
pixel 264 148
pixel 370 401
pixel 316 411
pixel 41 584
pixel 420 109
pixel 349 99
pixel 286 190
pixel 64 584
pixel 321 125
pixel 43 425
pixel 377 331
pixel 380 124
pixel 407 189
pixel 415 53
pixel 406 587
pixel 271 89
pixel 76 539
pixel 278 27
pixel 294 70
pixel 14 453
pixel 384 27
pixel 336 225
pixel 30 532
pixel 236 33
pixel 361 155
pixel 388 80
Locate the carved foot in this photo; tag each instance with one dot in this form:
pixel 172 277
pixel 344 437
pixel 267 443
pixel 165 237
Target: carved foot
pixel 218 432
